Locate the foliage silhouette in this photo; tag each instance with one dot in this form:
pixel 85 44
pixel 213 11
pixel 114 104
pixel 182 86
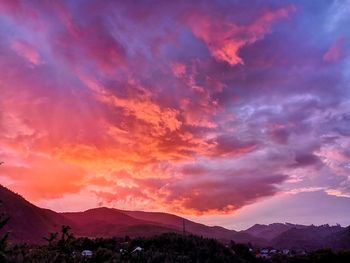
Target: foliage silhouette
pixel 3 239
pixel 167 248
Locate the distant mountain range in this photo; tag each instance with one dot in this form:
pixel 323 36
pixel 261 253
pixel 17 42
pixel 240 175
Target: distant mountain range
pixel 301 237
pixel 29 223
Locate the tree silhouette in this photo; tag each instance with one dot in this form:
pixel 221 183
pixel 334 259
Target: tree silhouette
pixel 51 238
pixel 65 233
pixel 3 240
pixel 64 244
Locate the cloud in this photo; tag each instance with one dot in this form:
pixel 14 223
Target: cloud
pixel 195 190
pixel 224 39
pixel 149 112
pixel 26 51
pixel 230 146
pixel 39 177
pixel 305 159
pixel 145 105
pixel 335 51
pixel 220 190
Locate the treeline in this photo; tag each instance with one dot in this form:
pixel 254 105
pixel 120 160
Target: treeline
pixel 64 247
pixel 170 247
pixel 166 248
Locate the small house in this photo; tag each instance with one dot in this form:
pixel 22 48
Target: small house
pixel 137 249
pixel 86 253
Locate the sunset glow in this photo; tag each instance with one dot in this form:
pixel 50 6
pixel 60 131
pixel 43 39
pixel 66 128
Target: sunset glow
pixel 226 110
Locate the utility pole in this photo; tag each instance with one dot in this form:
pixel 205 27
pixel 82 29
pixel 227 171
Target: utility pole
pixel 183 240
pixel 183 227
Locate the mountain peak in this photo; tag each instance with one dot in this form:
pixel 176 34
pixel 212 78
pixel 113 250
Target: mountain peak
pixel 29 223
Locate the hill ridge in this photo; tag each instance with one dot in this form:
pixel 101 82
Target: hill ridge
pixel 30 223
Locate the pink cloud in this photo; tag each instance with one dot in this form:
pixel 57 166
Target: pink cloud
pixel 27 51
pixel 179 69
pixel 334 52
pixel 224 39
pixel 210 191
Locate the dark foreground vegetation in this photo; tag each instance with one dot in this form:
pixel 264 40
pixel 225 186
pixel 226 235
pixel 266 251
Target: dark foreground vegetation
pixel 170 247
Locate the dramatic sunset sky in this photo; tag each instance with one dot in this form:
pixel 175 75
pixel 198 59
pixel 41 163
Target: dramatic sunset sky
pixel 225 112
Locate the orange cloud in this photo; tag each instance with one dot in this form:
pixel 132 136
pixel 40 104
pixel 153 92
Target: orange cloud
pixel 145 110
pixel 39 176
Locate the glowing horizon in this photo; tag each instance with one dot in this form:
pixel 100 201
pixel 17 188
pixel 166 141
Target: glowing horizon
pixel 229 111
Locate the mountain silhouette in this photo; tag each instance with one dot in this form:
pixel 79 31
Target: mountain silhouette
pixel 29 223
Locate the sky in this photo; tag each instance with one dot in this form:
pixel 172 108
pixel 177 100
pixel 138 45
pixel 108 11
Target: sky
pixel 226 112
